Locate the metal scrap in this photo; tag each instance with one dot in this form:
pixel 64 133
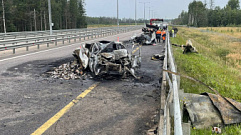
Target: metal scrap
pixel 230 110
pixel 157 57
pixel 211 110
pixel 70 70
pixel 201 111
pixel 188 47
pixel 148 37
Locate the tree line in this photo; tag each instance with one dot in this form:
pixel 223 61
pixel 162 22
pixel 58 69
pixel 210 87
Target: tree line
pixel 31 15
pixel 199 15
pixel 112 21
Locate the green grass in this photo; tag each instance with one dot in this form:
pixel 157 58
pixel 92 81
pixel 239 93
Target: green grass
pixel 228 130
pixel 207 69
pixel 208 66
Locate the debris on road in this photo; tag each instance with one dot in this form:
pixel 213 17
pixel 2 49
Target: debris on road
pixel 188 47
pixel 70 70
pixel 157 57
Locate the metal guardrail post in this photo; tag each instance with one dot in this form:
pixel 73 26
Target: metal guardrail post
pixel 96 33
pixel 74 38
pixel 88 34
pixel 56 41
pixel 48 43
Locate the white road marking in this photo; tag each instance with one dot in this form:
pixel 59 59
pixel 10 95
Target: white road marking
pixel 35 53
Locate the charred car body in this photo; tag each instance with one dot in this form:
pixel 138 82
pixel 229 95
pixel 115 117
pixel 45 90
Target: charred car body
pixel 148 37
pixel 107 57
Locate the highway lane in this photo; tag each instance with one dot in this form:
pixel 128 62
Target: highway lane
pixel 56 53
pixel 28 100
pixel 123 107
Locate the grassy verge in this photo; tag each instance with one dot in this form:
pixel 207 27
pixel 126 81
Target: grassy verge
pixel 212 65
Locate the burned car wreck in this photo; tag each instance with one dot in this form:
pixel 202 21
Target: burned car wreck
pixel 148 37
pixel 107 57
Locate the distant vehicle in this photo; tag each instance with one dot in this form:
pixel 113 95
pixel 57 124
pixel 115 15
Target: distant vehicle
pixel 159 23
pixel 152 20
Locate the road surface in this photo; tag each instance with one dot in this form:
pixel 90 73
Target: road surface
pixel 29 99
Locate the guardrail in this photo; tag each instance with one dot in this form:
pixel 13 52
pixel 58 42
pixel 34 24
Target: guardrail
pixel 25 34
pixel 171 102
pixel 62 35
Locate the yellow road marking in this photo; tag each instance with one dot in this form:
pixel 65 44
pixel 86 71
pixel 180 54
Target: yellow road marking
pixel 58 115
pixel 136 49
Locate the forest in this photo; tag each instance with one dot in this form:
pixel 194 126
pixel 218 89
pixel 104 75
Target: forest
pixel 199 15
pixel 32 15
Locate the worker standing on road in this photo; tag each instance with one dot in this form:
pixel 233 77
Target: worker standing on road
pixel 158 35
pixel 173 34
pixel 163 36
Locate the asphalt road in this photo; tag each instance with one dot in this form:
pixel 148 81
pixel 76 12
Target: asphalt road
pixel 115 106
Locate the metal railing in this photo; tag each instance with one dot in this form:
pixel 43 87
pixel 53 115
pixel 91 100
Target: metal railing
pixel 59 35
pixel 171 102
pixel 14 35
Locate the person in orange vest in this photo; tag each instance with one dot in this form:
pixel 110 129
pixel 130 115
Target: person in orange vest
pixel 158 35
pixel 163 36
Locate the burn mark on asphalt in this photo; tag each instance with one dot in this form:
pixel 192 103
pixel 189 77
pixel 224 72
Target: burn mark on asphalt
pixel 35 68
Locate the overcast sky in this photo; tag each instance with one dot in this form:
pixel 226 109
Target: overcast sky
pixel 161 8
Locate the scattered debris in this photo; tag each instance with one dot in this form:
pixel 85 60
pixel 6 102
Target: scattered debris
pixel 188 47
pixel 229 109
pixel 211 110
pixel 106 57
pixel 157 57
pixel 67 71
pixel 201 112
